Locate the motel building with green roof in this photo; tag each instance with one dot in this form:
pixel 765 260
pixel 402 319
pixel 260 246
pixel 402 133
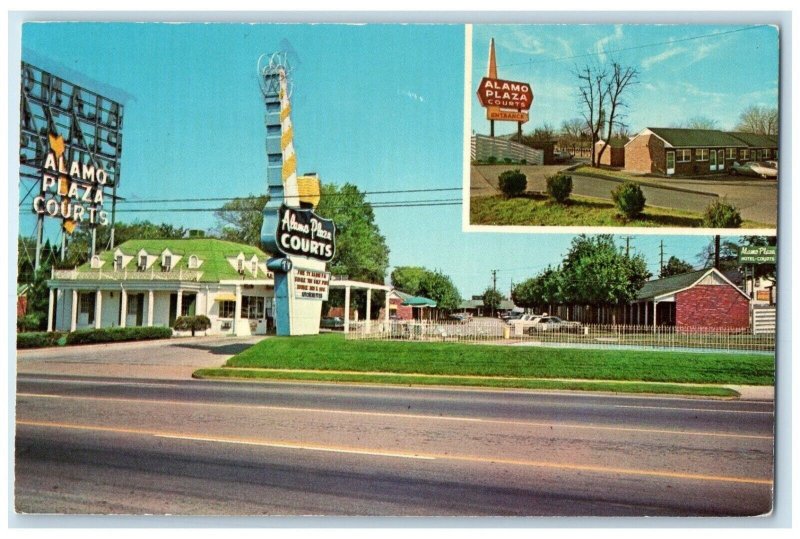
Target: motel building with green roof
pixel 152 282
pixel 694 152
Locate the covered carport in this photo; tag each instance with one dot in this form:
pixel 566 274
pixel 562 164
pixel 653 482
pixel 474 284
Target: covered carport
pixel 348 286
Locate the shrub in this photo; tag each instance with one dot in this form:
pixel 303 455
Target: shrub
pixel 508 160
pixel 29 322
pixel 559 187
pixel 512 183
pixel 523 161
pixel 192 323
pixel 491 160
pixel 89 336
pixel 38 339
pixel 720 214
pixel 629 199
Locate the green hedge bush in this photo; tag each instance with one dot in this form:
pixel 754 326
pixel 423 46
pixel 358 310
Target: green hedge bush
pixel 90 336
pixel 629 199
pixel 512 183
pixel 559 187
pixel 720 214
pixel 38 339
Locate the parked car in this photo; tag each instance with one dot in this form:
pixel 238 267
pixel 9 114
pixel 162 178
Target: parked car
pixel 511 315
pixel 331 322
pixel 524 322
pixel 460 317
pixel 754 168
pixel 554 323
pixel 561 156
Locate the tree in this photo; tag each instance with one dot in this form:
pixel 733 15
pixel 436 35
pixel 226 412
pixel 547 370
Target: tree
pixel 759 120
pixel 492 299
pixel 728 255
pixel 595 272
pixel 543 289
pixel 435 285
pixel 192 323
pixel 361 250
pixel 408 278
pixel 697 122
pixel 620 79
pixel 241 219
pixel 675 266
pixel 593 92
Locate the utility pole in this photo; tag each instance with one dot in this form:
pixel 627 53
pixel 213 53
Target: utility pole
pixel 716 252
pixel 661 263
pixel 494 287
pixel 628 245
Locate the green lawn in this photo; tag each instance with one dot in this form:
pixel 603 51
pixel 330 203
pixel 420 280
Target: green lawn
pixel 538 210
pixel 331 352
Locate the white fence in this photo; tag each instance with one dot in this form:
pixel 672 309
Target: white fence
pixel 483 147
pixel 493 331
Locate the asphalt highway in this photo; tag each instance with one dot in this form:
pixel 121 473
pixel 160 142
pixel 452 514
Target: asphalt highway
pixel 117 446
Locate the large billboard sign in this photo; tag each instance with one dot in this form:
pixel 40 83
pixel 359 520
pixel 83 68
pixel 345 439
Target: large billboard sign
pixel 302 232
pixel 506 94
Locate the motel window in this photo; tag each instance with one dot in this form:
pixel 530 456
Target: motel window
pixel 758 155
pixel 133 305
pixel 730 153
pixel 701 154
pixel 274 158
pixel 252 307
pixel 273 107
pixel 118 263
pixel 189 305
pixel 95 262
pixel 766 154
pixel 254 266
pixel 227 309
pixel 744 154
pixel 167 264
pixel 86 305
pixel 142 262
pixel 273 130
pixel 193 262
pixel 683 156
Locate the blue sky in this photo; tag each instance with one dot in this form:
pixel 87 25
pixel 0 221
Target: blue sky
pixel 377 106
pixel 686 71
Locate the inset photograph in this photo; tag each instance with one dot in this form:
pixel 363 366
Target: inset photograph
pixel 624 125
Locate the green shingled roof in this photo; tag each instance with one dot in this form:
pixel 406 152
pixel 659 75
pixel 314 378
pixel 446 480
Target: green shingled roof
pixel 697 138
pixel 211 252
pixel 659 287
pixel 757 141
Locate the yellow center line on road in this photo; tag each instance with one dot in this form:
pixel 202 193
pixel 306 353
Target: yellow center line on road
pixel 282 444
pixel 407 416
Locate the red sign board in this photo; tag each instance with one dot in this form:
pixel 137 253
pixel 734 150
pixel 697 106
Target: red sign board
pixel 505 94
pixel 493 113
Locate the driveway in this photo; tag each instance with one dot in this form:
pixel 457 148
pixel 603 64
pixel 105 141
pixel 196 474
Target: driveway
pixel 167 359
pixel 484 178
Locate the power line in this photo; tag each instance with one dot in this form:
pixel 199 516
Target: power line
pixel 636 47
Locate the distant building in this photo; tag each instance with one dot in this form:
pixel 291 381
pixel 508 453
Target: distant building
pixel 476 307
pixel 614 156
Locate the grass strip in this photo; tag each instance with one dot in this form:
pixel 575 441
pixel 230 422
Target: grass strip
pixel 331 352
pixel 509 383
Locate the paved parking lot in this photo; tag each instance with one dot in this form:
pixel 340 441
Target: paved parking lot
pixel 175 358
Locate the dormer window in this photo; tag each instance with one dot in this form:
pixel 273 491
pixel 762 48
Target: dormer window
pixel 254 266
pixel 142 262
pixel 95 262
pixel 118 263
pixel 240 265
pixel 193 262
pixel 166 265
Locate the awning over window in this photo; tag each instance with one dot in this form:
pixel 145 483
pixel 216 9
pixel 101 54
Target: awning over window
pixel 225 296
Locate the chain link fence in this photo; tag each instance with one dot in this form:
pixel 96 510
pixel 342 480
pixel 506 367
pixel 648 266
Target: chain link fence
pixel 567 334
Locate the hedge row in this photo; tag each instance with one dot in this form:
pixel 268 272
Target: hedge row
pixel 38 339
pixel 90 336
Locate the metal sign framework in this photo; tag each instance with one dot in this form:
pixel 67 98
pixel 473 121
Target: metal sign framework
pixel 91 127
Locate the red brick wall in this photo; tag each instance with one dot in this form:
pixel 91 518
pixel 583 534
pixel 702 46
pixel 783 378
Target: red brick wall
pixel 645 154
pixel 720 306
pixel 612 157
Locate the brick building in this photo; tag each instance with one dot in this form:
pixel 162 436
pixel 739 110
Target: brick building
pixel 703 298
pixel 614 156
pixel 691 152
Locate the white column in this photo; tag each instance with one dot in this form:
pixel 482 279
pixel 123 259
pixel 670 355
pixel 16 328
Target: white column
pixel 150 300
pixel 50 310
pixel 237 322
pixel 346 310
pixel 73 321
pixel 655 314
pixel 369 309
pixel 646 315
pixel 98 309
pixel 179 305
pixel 386 309
pixel 123 309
